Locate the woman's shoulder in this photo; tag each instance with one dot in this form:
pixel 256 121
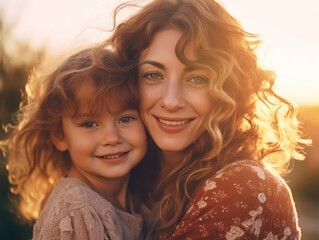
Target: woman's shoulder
pixel 244 181
pixel 246 175
pixel 243 199
pixel 243 167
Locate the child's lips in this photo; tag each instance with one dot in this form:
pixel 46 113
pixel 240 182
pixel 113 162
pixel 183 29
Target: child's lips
pixel 112 155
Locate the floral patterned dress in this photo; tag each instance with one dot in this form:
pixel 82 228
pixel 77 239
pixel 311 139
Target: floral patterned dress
pixel 242 201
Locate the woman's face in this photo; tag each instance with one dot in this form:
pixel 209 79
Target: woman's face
pixel 175 100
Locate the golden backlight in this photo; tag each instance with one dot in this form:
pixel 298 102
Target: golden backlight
pixel 289 30
pixel 290 34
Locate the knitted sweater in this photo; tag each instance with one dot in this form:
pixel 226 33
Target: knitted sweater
pixel 75 211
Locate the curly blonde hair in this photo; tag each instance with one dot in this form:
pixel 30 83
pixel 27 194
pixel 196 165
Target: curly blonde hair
pixel 249 120
pixel 33 162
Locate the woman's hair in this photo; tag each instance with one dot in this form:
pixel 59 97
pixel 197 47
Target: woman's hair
pixel 248 121
pixel 34 164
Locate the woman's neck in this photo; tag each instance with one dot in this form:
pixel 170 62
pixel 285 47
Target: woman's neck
pixel 168 160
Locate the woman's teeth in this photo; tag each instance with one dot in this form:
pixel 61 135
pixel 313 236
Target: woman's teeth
pixel 173 123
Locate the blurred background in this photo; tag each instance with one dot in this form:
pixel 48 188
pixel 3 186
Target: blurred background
pixel 33 32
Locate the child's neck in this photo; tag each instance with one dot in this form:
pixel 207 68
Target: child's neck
pixel 113 190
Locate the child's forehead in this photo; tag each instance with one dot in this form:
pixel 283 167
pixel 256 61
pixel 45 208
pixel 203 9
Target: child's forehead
pixel 85 109
pixel 89 113
pixel 94 101
pixel 85 88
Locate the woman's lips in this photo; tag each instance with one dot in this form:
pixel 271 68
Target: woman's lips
pixel 173 125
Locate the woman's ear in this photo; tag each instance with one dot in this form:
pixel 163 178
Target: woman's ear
pixel 59 141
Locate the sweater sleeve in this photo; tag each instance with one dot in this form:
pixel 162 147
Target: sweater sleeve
pixel 74 211
pixel 83 224
pixel 242 201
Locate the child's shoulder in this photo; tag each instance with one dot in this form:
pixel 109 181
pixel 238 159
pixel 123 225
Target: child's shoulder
pixel 71 194
pixel 74 206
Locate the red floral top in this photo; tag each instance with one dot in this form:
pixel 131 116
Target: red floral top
pixel 241 201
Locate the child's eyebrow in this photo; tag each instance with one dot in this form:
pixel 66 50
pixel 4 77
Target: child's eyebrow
pixel 84 115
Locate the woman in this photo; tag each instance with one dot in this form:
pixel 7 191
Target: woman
pixel 219 129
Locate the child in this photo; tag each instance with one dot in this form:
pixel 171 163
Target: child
pixel 78 136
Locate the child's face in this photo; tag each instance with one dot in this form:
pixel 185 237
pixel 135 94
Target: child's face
pixel 105 145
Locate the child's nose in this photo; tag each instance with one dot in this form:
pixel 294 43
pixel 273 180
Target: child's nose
pixel 111 135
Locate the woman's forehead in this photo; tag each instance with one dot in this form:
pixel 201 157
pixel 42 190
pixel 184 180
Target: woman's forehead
pixel 165 41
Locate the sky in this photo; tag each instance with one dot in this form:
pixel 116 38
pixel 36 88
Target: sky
pixel 289 30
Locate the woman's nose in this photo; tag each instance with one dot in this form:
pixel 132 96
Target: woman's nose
pixel 173 96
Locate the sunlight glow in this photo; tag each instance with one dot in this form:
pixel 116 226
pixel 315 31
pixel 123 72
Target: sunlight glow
pixel 290 34
pixel 289 30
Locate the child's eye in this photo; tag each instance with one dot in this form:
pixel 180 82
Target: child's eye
pixel 126 119
pixel 89 124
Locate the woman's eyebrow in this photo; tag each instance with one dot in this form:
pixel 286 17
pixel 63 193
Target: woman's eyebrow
pixel 154 63
pixel 188 68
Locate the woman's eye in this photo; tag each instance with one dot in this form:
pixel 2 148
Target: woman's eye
pixel 153 76
pixel 89 125
pixel 126 119
pixel 198 80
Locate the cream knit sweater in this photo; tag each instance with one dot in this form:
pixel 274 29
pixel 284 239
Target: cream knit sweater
pixel 75 211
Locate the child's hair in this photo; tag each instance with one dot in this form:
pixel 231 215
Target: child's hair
pixel 33 162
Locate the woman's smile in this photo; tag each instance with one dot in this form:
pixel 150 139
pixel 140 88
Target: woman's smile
pixel 173 125
pixel 173 122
